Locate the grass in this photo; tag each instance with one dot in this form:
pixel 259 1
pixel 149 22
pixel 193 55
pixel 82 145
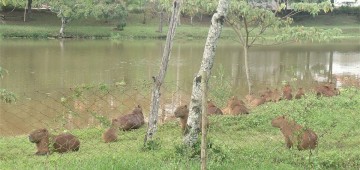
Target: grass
pixel 46 25
pixel 236 142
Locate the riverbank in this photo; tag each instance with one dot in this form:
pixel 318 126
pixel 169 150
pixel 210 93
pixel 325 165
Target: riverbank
pixel 44 24
pixel 236 141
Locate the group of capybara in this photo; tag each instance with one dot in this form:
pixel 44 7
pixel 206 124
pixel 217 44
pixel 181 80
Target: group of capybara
pixel 294 134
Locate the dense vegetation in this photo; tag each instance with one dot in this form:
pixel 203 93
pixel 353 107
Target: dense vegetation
pixel 235 142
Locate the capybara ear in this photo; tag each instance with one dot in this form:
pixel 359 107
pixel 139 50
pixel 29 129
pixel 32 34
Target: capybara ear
pixel 44 130
pixel 185 106
pixel 283 116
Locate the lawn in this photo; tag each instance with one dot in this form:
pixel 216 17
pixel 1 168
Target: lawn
pixel 235 142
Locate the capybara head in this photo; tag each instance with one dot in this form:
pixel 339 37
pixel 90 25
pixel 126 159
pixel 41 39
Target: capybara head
pixel 210 103
pixel 138 109
pixel 234 101
pixel 37 135
pixel 278 121
pixel 115 123
pixel 181 111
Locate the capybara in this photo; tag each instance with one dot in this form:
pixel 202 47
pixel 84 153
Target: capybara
pixel 258 101
pixel 300 93
pixel 110 135
pixel 327 90
pixel 287 92
pixel 275 95
pixel 61 143
pixel 266 94
pixel 212 109
pixel 295 133
pixel 250 97
pixel 235 107
pixel 133 120
pixel 182 112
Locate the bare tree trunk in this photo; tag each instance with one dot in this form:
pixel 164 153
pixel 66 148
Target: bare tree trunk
pixel 62 29
pixel 191 20
pixel 193 123
pixel 247 69
pixel 161 16
pixel 153 116
pixel 27 9
pixel 204 121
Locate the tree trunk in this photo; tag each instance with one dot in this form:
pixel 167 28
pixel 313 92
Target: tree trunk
pixel 153 116
pixel 27 10
pixel 247 69
pixel 161 20
pixel 193 122
pixel 62 29
pixel 204 121
pixel 191 20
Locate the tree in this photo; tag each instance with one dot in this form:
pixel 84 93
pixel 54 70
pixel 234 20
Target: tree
pixel 193 124
pixel 251 24
pixel 158 80
pixel 191 7
pixel 68 10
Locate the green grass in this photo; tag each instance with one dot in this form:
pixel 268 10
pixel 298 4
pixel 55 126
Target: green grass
pixel 236 142
pixel 47 25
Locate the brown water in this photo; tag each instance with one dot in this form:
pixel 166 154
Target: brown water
pixel 41 72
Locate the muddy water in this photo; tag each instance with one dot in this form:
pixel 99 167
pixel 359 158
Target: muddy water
pixel 116 76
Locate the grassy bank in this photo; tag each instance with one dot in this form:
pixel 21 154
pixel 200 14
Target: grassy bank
pixel 236 142
pixel 46 25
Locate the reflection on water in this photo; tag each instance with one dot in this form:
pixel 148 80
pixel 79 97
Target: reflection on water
pixel 41 72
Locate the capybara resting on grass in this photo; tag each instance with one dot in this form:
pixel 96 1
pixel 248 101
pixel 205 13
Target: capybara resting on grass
pixel 266 94
pixel 133 120
pixel 182 112
pixel 258 101
pixel 61 143
pixel 212 109
pixel 300 93
pixel 110 135
pixel 294 133
pixel 287 92
pixel 275 95
pixel 327 90
pixel 235 107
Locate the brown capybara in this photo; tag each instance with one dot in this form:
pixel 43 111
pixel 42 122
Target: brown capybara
pixel 300 93
pixel 275 96
pixel 61 143
pixel 212 109
pixel 182 112
pixel 235 107
pixel 110 135
pixel 250 97
pixel 287 92
pixel 295 133
pixel 327 90
pixel 258 101
pixel 266 94
pixel 133 120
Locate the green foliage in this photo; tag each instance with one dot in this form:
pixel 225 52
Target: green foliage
pixel 220 87
pixel 214 153
pixel 7 96
pixel 104 121
pixel 300 33
pixel 151 145
pixel 251 23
